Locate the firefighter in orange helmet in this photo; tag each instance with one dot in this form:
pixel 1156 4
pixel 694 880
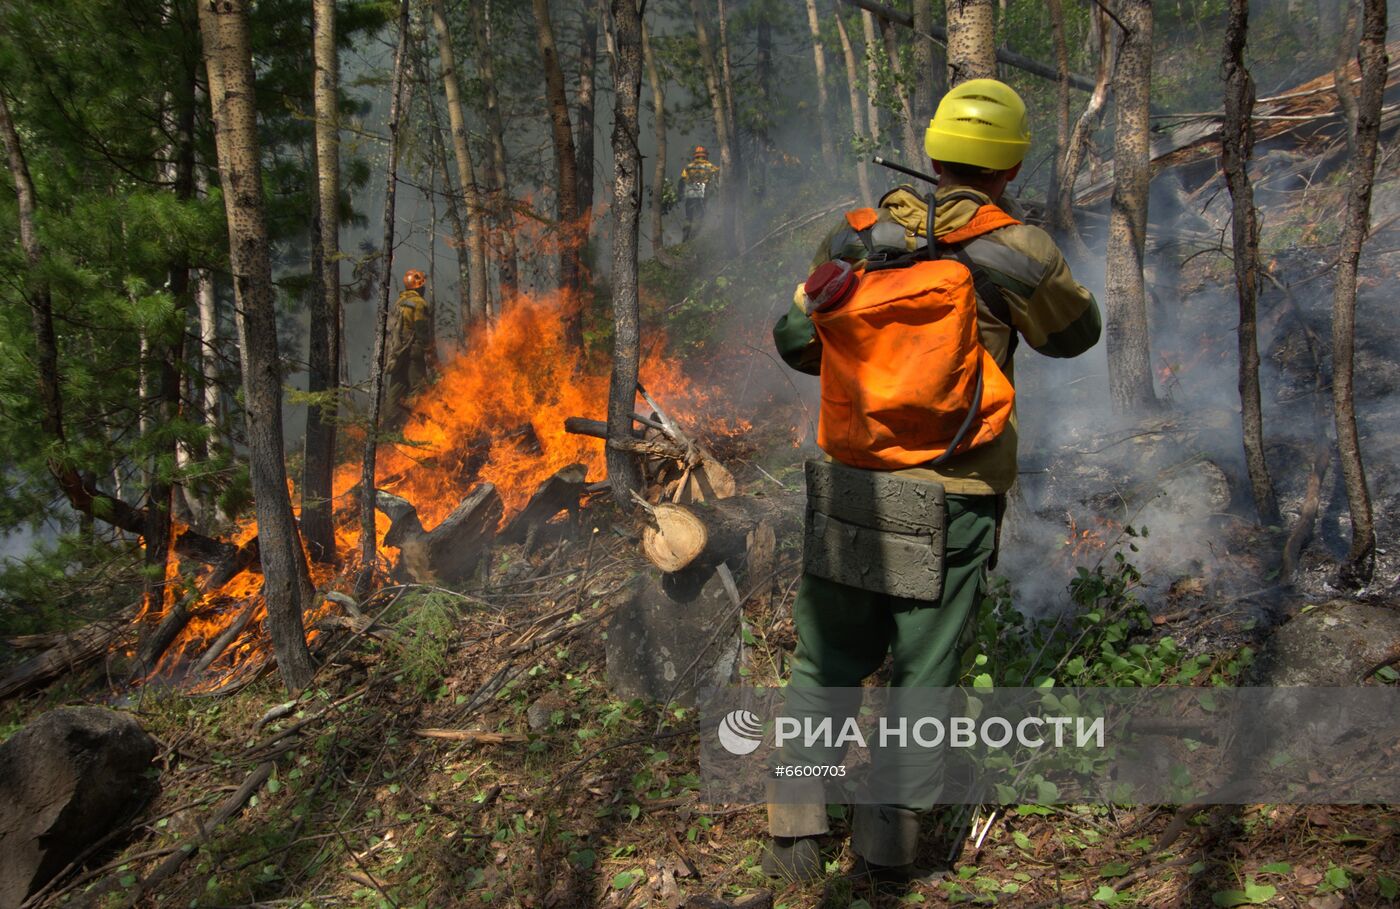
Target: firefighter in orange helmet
pixel 408 346
pixel 697 183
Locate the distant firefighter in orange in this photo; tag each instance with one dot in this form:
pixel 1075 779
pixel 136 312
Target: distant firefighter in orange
pixel 408 347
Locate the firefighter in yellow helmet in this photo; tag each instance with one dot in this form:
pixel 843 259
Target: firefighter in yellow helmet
pixel 408 347
pixel 697 183
pixel 850 619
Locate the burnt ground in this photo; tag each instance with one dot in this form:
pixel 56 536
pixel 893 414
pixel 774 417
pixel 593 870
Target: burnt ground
pixel 550 791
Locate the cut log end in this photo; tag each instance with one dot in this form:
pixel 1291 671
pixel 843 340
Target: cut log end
pixel 677 540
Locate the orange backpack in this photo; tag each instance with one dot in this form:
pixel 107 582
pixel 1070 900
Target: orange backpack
pixel 905 380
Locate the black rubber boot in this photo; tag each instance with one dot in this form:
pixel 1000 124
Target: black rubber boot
pixel 794 859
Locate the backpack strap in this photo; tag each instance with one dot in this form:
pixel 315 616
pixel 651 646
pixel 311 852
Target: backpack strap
pixel 989 292
pixel 987 219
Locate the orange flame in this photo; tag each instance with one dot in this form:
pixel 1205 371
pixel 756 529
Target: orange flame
pixel 495 414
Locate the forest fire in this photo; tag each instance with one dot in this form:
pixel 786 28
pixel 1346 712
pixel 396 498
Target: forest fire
pixel 495 415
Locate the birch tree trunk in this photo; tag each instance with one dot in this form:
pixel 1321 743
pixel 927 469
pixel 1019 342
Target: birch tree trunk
pixel 207 305
pixel 1129 357
pixel 454 202
pixel 814 27
pixel 1237 144
pixel 1361 560
pixel 972 50
pixel 369 553
pixel 502 214
pixel 324 349
pixel 564 154
pixel 623 472
pixel 848 54
pixel 466 169
pixel 872 76
pixel 658 172
pixel 286 583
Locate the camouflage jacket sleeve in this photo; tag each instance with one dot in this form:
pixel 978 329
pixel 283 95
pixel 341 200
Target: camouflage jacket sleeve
pixel 1056 315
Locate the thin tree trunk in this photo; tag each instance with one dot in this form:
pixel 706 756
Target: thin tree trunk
pixel 658 172
pixel 1062 217
pixel 872 77
pixel 1129 358
pixel 1057 160
pixel 369 553
pixel 1361 560
pixel 761 119
pixel 584 100
pixel 735 184
pixel 913 141
pixel 727 82
pixel 286 583
pixel 564 156
pixel 972 52
pixel 728 150
pixel 503 215
pixel 207 304
pixel 814 27
pixel 323 361
pixel 454 211
pixel 1341 74
pixel 848 54
pixel 168 347
pixel 924 88
pixel 1237 144
pixel 466 170
pixel 623 472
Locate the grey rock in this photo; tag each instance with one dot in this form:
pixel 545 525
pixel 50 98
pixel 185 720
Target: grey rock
pixel 1330 646
pixel 66 780
pixel 675 634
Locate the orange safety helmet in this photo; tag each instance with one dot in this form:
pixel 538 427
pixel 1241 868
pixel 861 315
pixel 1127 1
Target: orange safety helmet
pixel 700 152
pixel 413 279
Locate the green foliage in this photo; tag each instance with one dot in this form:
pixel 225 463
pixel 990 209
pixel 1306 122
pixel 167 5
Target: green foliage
pixel 424 638
pixel 63 583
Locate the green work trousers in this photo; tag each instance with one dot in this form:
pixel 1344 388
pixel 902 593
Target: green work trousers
pixel 844 634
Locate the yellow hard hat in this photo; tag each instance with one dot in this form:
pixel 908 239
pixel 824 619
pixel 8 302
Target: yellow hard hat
pixel 982 123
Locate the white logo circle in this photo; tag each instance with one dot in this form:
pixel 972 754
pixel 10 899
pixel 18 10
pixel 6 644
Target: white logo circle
pixel 740 732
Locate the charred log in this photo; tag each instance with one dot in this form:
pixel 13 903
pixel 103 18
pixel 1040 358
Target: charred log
pixel 560 492
pixel 87 644
pixel 450 552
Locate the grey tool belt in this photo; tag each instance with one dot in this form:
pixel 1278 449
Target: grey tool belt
pixel 874 530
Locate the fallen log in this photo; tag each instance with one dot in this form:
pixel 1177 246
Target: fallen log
pixel 1303 111
pixel 153 646
pixel 448 553
pixel 598 429
pixel 226 637
pixel 560 492
pixel 83 646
